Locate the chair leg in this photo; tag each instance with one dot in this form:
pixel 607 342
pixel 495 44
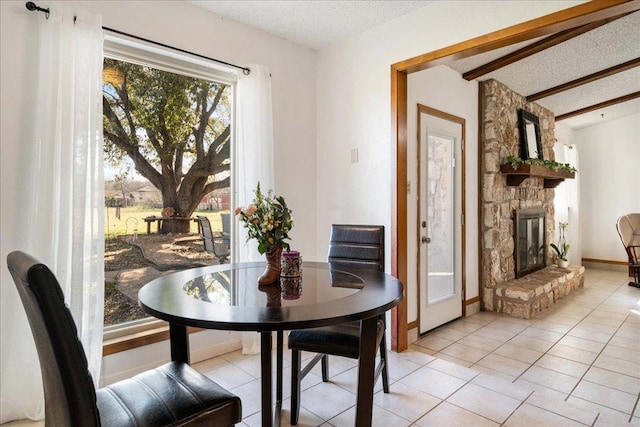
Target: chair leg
pixel 385 362
pixel 325 368
pixel 634 272
pixel 296 365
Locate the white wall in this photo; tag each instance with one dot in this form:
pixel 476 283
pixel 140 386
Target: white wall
pixel 609 164
pixel 567 194
pixel 443 89
pixel 179 24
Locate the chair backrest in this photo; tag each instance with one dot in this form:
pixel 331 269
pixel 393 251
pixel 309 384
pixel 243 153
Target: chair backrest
pixel 357 246
pixel 70 397
pixel 226 224
pixel 629 229
pixel 206 233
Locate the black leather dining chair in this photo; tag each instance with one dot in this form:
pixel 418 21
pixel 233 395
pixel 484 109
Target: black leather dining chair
pixel 173 394
pixel 350 247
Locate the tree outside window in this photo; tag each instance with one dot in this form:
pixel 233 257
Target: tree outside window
pixel 167 136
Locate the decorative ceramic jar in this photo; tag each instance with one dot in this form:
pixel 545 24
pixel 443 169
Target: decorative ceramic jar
pixel 291 264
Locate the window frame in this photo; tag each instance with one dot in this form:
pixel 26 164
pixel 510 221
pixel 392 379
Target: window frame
pixel 141 332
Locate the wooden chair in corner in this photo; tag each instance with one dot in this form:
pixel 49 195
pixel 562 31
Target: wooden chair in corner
pixel 350 247
pixel 170 395
pixel 628 227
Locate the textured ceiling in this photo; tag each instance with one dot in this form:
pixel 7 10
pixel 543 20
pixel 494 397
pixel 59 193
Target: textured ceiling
pixel 312 24
pixel 611 44
pixel 317 24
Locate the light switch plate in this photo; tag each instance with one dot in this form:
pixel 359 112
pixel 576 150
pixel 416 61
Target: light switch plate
pixel 354 155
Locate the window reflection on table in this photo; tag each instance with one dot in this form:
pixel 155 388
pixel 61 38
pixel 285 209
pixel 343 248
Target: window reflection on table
pixel 230 287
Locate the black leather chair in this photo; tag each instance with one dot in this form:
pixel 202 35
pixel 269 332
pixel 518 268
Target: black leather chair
pixel 171 395
pixel 351 247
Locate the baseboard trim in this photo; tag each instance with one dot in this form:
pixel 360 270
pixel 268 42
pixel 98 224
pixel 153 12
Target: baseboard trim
pixel 605 261
pixel 472 300
pixel 604 264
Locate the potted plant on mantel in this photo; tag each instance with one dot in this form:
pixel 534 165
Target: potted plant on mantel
pixel 562 248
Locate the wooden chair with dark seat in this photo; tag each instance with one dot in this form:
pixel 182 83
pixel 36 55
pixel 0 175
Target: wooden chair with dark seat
pixel 628 227
pixel 351 247
pixel 217 244
pixel 173 394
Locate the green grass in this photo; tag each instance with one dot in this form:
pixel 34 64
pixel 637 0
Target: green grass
pixel 132 221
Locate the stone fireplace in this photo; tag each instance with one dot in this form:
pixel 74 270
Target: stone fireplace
pixel 515 281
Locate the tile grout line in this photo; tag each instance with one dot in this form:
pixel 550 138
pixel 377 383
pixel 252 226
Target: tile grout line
pixel 603 348
pixel 566 334
pixel 602 301
pixel 635 406
pixel 598 355
pixel 563 336
pixel 522 403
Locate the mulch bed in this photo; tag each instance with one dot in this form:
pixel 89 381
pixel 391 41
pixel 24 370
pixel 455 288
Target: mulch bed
pixel 118 308
pixel 120 255
pixel 163 253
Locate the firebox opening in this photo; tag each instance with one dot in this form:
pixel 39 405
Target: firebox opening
pixel 530 241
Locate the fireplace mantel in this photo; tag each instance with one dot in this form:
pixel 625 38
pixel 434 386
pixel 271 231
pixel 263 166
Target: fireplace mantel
pixel 551 178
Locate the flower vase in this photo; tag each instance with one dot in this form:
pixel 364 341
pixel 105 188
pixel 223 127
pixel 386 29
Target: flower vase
pixel 272 272
pixel 563 263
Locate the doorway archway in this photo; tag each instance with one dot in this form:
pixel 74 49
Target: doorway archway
pixel 543 26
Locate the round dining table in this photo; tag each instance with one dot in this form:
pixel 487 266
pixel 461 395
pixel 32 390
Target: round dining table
pixel 228 297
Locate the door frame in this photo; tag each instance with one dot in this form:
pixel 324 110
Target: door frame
pixel 558 21
pixel 462 122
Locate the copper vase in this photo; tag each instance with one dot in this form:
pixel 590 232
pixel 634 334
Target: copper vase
pixel 272 272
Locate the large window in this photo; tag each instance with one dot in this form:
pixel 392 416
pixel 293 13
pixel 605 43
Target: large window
pixel 167 144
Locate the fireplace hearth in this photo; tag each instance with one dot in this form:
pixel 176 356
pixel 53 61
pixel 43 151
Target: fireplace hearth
pixel 529 239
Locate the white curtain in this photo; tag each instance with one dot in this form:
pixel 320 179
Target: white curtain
pixel 567 202
pixel 254 163
pixel 254 146
pixel 64 218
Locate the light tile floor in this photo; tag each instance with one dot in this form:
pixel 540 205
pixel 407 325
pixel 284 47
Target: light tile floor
pixel 576 364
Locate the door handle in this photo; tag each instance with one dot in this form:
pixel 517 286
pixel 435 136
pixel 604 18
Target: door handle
pixel 425 239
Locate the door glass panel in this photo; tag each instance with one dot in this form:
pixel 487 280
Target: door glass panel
pixel 440 218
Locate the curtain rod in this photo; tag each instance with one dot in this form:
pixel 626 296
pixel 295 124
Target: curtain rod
pixel 33 7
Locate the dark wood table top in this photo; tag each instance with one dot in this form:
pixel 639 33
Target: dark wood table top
pixel 228 297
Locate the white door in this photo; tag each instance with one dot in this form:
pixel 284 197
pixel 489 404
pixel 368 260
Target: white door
pixel 440 218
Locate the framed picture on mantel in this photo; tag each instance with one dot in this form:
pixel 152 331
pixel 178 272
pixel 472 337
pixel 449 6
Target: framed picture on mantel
pixel 530 139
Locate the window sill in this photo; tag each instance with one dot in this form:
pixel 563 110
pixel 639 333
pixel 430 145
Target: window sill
pixel 138 339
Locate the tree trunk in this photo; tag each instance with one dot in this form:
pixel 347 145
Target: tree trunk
pixel 183 211
pixel 176 226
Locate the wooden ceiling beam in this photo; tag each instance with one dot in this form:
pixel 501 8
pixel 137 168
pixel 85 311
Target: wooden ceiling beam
pixel 536 47
pixel 584 80
pixel 565 19
pixel 599 105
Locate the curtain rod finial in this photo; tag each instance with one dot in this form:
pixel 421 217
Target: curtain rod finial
pixel 32 6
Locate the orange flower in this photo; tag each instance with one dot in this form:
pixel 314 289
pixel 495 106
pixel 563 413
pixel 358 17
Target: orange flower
pixel 251 209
